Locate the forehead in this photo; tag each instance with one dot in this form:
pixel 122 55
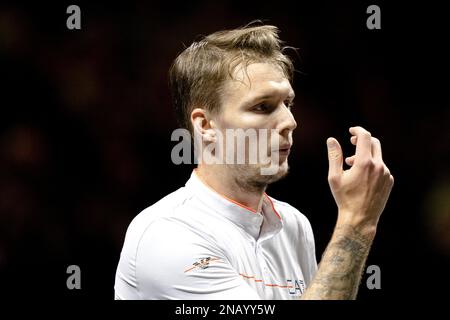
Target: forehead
pixel 255 80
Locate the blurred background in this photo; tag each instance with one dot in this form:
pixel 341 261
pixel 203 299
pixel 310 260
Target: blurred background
pixel 86 120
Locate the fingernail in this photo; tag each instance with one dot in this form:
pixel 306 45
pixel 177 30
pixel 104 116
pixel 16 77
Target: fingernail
pixel 330 143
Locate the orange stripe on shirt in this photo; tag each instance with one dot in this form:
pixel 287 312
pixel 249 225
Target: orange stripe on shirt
pixel 259 280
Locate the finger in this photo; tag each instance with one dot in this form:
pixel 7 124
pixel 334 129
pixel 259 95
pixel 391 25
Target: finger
pixel 334 157
pixel 376 150
pixel 350 160
pixel 363 143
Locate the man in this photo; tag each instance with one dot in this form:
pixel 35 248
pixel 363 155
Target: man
pixel 221 236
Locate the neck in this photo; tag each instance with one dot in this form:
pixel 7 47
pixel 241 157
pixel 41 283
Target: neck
pixel 225 183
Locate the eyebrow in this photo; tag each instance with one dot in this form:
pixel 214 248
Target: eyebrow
pixel 290 96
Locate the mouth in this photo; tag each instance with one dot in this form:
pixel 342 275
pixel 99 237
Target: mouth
pixel 285 150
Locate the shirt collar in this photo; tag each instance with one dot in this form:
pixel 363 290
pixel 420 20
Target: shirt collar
pixel 260 226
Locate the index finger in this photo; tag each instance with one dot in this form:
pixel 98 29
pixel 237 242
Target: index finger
pixel 363 143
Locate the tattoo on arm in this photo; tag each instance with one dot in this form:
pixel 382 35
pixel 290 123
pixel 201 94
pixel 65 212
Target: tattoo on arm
pixel 340 269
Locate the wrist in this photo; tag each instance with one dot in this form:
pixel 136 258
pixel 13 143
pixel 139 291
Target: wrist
pixel 363 226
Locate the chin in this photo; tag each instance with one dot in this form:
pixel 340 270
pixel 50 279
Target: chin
pixel 249 177
pixel 280 172
pixel 283 170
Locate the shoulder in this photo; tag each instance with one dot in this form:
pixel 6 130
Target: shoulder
pixel 164 208
pixel 157 237
pixel 159 255
pixel 157 214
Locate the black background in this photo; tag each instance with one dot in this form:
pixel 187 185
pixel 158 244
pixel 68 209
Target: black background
pixel 86 120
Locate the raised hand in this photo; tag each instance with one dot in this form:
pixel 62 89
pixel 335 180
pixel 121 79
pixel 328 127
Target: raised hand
pixel 360 192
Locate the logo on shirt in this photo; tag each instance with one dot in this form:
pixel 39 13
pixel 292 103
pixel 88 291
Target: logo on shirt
pixel 202 263
pixel 295 286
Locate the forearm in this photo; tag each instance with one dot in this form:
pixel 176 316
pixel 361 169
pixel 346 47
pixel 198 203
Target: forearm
pixel 339 272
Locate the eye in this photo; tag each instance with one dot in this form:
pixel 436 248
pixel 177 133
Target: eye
pixel 263 107
pixel 289 104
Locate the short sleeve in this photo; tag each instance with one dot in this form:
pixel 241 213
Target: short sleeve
pixel 174 261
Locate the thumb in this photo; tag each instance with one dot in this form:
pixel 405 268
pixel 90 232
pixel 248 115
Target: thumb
pixel 334 157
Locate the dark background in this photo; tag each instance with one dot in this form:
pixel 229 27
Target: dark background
pixel 86 120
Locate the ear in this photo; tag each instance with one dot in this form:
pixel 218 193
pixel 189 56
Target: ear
pixel 203 125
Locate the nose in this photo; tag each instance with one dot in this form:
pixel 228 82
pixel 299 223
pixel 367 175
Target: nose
pixel 287 122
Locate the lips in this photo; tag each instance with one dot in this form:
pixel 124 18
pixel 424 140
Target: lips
pixel 285 150
pixel 286 147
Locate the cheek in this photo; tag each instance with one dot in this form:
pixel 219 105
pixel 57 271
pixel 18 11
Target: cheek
pixel 246 120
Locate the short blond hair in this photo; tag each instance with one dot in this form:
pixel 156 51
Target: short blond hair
pixel 198 74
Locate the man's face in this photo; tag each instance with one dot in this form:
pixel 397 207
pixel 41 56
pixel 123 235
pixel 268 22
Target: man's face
pixel 259 98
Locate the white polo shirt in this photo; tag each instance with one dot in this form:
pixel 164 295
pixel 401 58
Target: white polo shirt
pixel 197 244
